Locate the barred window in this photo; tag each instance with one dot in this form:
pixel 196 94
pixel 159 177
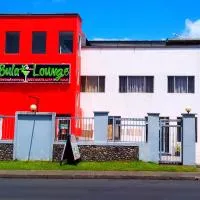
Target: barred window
pixel 181 84
pixel 92 83
pixel 136 84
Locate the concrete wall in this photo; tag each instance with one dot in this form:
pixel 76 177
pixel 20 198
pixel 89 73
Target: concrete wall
pixel 159 63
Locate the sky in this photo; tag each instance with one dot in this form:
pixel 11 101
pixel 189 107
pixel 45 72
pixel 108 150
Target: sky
pixel 122 20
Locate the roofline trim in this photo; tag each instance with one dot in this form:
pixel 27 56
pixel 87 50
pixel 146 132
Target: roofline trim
pixel 39 15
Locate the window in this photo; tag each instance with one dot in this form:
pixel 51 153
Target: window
pixel 65 42
pixel 38 42
pixel 181 84
pixel 136 84
pixel 12 42
pixel 92 83
pixel 79 45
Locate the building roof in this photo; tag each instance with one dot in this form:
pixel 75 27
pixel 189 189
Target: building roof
pixel 142 43
pixel 39 15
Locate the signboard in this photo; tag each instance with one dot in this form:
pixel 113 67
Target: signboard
pixel 71 151
pixel 34 73
pixel 75 149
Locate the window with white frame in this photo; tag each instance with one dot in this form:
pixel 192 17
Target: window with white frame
pixel 181 84
pixel 92 83
pixel 136 84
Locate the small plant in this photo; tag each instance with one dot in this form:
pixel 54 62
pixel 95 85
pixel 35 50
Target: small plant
pixel 177 150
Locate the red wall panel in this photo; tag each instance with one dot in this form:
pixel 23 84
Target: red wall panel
pixel 62 98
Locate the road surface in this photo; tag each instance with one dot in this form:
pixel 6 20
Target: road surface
pixel 40 189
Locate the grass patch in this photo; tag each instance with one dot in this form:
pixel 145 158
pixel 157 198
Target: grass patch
pixel 94 166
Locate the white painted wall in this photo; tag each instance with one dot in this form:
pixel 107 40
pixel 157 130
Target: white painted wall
pixel 159 63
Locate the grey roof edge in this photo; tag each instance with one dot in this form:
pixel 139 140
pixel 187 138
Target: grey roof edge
pixel 39 15
pixel 142 43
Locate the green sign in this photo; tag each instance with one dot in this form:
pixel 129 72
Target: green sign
pixel 34 73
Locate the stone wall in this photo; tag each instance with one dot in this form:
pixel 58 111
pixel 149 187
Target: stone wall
pixel 57 151
pixel 88 152
pixel 6 151
pixel 101 152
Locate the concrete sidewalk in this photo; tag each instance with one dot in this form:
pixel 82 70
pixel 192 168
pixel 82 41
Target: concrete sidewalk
pixel 65 174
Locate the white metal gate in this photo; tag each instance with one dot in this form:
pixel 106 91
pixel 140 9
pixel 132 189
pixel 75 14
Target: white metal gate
pixel 170 141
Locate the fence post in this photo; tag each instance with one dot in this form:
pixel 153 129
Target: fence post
pixel 189 135
pixel 100 126
pixel 153 136
pixel 1 127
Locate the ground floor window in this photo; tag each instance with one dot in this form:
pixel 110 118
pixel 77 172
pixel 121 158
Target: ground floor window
pixel 62 127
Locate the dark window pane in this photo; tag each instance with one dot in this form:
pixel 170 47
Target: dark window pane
pixel 92 84
pixel 101 83
pixel 65 42
pixel 12 42
pixel 170 84
pixel 123 84
pixel 181 84
pixel 190 84
pixel 38 42
pixel 136 84
pixel 83 83
pixel 149 84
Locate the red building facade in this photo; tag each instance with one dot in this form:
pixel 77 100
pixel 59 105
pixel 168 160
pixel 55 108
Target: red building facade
pixel 44 42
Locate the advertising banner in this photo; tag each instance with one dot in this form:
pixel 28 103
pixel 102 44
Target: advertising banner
pixel 35 73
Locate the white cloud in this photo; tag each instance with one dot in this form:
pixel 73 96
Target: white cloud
pixel 192 30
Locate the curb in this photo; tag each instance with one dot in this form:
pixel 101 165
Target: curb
pixel 99 176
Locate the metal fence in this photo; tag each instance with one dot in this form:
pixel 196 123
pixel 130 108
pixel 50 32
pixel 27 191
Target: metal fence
pixel 127 129
pixel 82 127
pixel 171 141
pixel 7 124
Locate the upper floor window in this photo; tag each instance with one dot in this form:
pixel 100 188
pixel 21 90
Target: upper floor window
pixel 65 42
pixel 181 84
pixel 12 42
pixel 92 83
pixel 39 42
pixel 136 84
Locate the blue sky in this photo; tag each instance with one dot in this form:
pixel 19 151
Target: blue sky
pixel 127 19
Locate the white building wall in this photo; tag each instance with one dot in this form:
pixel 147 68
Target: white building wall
pixel 159 63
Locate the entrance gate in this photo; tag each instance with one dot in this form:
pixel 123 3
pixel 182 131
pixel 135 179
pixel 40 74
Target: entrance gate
pixel 170 141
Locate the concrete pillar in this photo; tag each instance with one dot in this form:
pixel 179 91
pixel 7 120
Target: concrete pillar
pixel 100 127
pixel 189 132
pixel 153 137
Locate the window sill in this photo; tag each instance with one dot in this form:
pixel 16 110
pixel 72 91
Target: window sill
pixel 180 93
pixel 12 54
pixel 136 92
pixel 94 92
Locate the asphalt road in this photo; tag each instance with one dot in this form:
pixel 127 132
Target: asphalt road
pixel 98 189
